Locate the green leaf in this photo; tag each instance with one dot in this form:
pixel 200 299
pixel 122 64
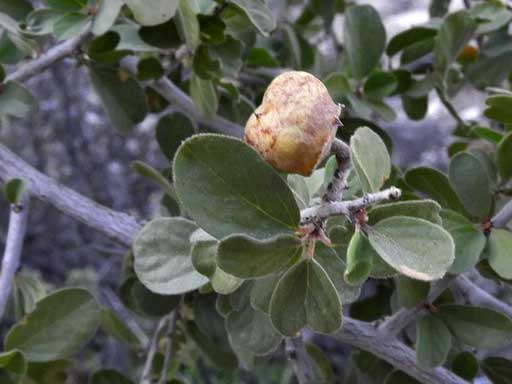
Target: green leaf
pixel 204 95
pixel 415 107
pixel 109 376
pixel 52 372
pixel 410 292
pixel 499 247
pixel 380 84
pixel 305 297
pixel 13 190
pixel 40 21
pixel 322 364
pixel 259 14
pixel 499 108
pixel 261 292
pixel 28 290
pixel 187 23
pixel 115 327
pixel 70 25
pixel 161 253
pixel 14 362
pixel 359 260
pixel 338 86
pixel 422 209
pixel 152 174
pixel 251 329
pixel 409 37
pixel 62 323
pixel 365 39
pixel 505 157
pixel 150 68
pixel 433 342
pixel 204 259
pixel 143 302
pixel 487 134
pixel 158 13
pixel 455 32
pixel 261 57
pixel 106 16
pixel 468 178
pixel 246 257
pixel 469 241
pixel 15 100
pixel 122 97
pixel 415 247
pixel 491 16
pixel 370 158
pixel 477 327
pixel 334 266
pixel 171 131
pixel 17 9
pixel 211 179
pixel 498 369
pixel 436 185
pixel 67 5
pixel 465 365
pixel 399 377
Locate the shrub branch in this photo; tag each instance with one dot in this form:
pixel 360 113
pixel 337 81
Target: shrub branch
pixel 13 246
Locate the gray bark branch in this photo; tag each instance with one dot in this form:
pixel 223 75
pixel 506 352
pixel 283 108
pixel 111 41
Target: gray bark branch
pixel 503 217
pixel 299 359
pixel 46 60
pixel 12 253
pixel 403 317
pixel 117 226
pixel 365 336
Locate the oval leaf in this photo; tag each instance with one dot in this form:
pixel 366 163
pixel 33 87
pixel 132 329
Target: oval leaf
pixel 245 257
pixel 224 185
pixel 162 257
pixel 158 13
pixel 365 38
pixel 251 329
pixel 433 342
pixel 436 185
pixel 371 159
pixel 500 252
pixel 469 179
pixel 415 247
pixel 62 323
pixel 477 327
pixel 505 157
pixel 359 260
pixel 469 241
pixel 305 297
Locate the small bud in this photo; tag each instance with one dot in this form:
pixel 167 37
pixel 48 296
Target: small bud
pixel 294 126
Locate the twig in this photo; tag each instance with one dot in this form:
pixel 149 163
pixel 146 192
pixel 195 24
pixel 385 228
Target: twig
pixel 115 225
pixel 339 181
pixel 126 316
pixel 394 324
pixel 35 67
pixel 365 336
pixel 173 319
pixel 346 208
pixel 478 296
pixel 181 100
pixel 300 360
pixel 503 217
pixel 449 107
pixel 145 377
pixel 13 246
